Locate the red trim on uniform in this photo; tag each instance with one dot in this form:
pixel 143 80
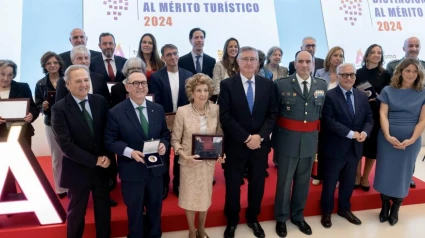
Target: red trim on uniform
pixel 301 126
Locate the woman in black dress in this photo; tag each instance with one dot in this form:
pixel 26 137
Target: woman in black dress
pixel 373 73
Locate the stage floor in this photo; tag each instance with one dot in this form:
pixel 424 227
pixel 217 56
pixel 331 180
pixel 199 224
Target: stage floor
pixel 173 217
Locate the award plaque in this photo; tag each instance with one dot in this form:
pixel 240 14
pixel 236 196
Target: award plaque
pixel 207 146
pixel 152 157
pixel 169 119
pixel 51 96
pixel 368 89
pixel 15 109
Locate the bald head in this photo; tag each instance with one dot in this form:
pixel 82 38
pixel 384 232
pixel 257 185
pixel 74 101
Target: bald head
pixel 412 47
pixel 77 37
pixel 303 64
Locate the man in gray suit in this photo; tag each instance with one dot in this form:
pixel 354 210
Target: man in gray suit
pixel 411 48
pixel 301 98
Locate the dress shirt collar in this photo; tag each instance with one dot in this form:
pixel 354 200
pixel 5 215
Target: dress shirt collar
pixel 194 55
pixel 245 79
pixel 344 91
pixel 105 58
pixel 300 80
pixel 79 100
pixel 135 105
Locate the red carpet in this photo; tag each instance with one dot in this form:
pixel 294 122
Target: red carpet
pixel 173 217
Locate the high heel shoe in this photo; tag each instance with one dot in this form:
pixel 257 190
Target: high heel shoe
pixel 199 236
pixel 364 188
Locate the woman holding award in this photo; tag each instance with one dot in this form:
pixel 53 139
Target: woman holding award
pixel 11 89
pixel 371 78
pixel 196 176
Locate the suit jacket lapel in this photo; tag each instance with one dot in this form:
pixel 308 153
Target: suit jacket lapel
pixel 296 85
pixel 167 86
pixel 14 89
pixel 190 62
pixel 239 90
pixel 313 88
pixel 258 91
pixel 181 94
pixel 95 112
pixel 131 114
pixel 151 118
pixel 342 99
pixel 76 110
pixel 357 105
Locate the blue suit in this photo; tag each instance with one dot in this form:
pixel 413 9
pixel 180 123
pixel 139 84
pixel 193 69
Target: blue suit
pixel 341 155
pixel 141 187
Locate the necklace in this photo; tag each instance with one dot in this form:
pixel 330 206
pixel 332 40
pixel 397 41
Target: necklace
pixel 198 112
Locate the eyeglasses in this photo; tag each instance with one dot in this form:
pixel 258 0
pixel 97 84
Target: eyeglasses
pixel 52 63
pixel 310 45
pixel 172 54
pixel 9 76
pixel 345 76
pixel 137 84
pixel 246 60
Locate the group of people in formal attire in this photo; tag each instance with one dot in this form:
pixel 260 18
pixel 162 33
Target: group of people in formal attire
pixel 247 97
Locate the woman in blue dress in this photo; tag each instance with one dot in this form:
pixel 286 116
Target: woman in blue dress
pixel 402 116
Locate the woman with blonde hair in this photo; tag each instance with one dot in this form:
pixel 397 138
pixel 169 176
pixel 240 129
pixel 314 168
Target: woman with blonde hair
pixel 334 58
pixel 196 176
pixel 402 114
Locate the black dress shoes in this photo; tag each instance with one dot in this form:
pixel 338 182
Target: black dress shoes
pixel 350 217
pixel 326 221
pixel 229 232
pixel 256 229
pixel 303 226
pixel 165 193
pixel 112 203
pixel 412 184
pixel 62 195
pixel 281 229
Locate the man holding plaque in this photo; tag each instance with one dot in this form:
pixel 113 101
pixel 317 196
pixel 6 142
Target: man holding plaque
pixel 137 132
pixel 78 123
pixel 300 99
pixel 248 115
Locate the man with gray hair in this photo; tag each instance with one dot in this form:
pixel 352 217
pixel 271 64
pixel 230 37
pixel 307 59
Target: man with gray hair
pixel 76 37
pixel 78 123
pixel 80 55
pixel 300 101
pixel 309 44
pixel 347 120
pixel 247 115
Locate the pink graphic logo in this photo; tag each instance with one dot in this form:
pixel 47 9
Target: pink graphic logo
pixel 118 51
pixel 116 7
pixel 352 9
pixel 359 57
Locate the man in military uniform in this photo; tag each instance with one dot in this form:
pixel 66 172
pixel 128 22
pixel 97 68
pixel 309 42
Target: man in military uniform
pixel 301 98
pixel 412 48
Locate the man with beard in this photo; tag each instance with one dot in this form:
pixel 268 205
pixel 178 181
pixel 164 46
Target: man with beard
pixel 108 64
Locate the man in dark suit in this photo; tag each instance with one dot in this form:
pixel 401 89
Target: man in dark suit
pixel 300 100
pixel 80 55
pixel 308 44
pixel 247 114
pixel 130 124
pixel 108 64
pixel 168 86
pixel 76 37
pixel 79 122
pixel 197 61
pixel 347 120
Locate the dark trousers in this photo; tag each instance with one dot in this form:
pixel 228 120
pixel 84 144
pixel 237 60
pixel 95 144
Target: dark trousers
pixel 235 168
pixel 342 169
pixel 78 198
pixel 10 182
pixel 137 195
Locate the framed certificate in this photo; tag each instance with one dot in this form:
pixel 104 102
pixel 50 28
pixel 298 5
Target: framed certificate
pixel 51 96
pixel 207 146
pixel 150 97
pixel 14 109
pixel 152 157
pixel 169 118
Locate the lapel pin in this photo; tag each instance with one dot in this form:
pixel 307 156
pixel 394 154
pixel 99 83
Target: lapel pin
pixel 294 94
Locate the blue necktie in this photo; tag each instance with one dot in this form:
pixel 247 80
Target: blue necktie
pixel 250 96
pixel 349 102
pixel 198 64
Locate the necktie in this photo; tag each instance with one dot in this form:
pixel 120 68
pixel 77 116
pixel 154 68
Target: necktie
pixel 87 116
pixel 349 102
pixel 198 64
pixel 250 96
pixel 143 121
pixel 110 70
pixel 305 90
